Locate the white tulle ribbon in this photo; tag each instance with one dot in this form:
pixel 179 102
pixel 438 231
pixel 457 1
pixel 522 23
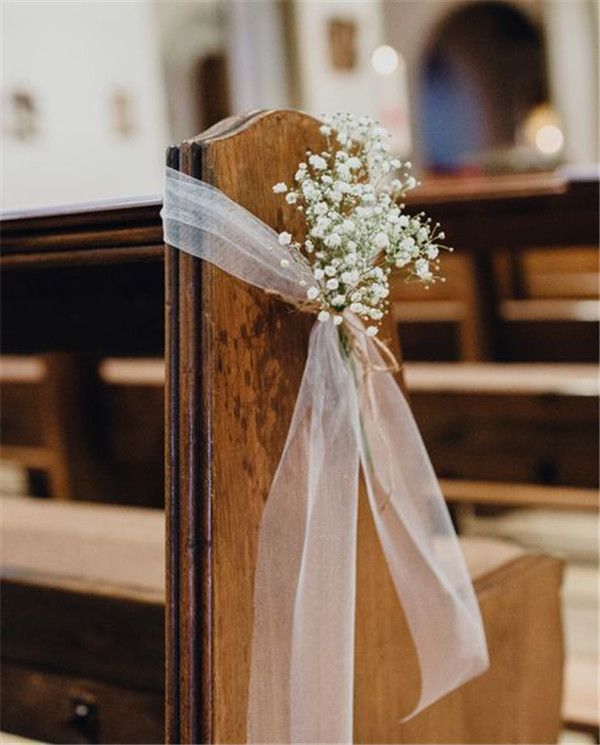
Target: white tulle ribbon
pixel 349 413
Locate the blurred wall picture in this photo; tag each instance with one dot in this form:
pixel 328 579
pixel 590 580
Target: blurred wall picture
pixel 166 574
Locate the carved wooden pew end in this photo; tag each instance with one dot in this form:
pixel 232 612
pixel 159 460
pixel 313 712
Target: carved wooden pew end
pixel 236 357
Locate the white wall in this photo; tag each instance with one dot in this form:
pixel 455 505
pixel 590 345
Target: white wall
pixel 257 55
pixel 70 57
pixel 572 33
pixel 325 90
pixel 188 30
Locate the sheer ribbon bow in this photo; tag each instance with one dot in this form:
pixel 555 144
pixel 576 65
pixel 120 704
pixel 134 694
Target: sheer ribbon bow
pixel 302 671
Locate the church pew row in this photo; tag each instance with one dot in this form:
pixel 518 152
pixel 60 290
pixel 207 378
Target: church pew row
pixel 509 423
pixel 79 430
pixel 83 644
pixel 469 413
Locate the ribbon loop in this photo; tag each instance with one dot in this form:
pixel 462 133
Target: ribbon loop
pixel 302 671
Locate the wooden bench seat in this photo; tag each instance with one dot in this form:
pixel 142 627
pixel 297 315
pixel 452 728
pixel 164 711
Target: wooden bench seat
pixel 82 621
pixel 83 590
pixel 491 427
pixel 515 378
pixel 121 550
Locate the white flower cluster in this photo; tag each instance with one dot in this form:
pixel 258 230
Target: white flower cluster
pixel 356 229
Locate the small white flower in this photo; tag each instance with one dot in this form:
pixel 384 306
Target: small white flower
pixel 411 182
pixel 403 221
pixel 338 300
pixel 291 198
pixel 318 273
pixel 334 240
pixel 354 163
pixel 285 239
pixel 432 252
pixel 341 187
pixel 300 174
pixel 309 190
pixel 284 263
pixel 343 172
pixel 357 307
pixel 422 269
pixel 312 293
pixel 351 277
pixel 381 240
pixel 325 130
pixel 317 162
pixel 332 284
pixel 338 320
pixel 320 208
pixel 280 188
pixel 323 316
pixel 371 330
pixel 330 270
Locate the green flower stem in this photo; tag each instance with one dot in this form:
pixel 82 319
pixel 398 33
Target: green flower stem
pixel 349 359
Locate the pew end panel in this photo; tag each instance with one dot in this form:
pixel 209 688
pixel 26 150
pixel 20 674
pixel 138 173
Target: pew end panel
pixel 235 360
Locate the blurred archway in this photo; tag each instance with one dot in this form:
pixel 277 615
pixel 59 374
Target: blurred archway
pixel 484 71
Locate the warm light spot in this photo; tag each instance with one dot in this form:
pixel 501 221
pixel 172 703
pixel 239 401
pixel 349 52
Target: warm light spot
pixel 385 60
pixel 549 139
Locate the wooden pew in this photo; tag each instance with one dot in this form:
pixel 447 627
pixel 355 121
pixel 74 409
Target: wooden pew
pixel 84 427
pixel 521 242
pixel 107 261
pixel 82 622
pixel 83 585
pixel 226 423
pixel 510 424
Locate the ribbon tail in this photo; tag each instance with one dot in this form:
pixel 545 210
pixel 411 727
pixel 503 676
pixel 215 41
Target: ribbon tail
pixel 302 668
pixel 419 542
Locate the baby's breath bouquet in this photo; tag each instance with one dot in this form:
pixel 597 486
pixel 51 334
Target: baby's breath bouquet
pixel 357 231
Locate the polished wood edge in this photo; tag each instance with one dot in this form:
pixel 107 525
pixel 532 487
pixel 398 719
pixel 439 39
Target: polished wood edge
pixel 520 495
pixel 189 553
pixel 83 208
pixel 60 583
pixel 517 567
pixel 81 257
pixel 171 484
